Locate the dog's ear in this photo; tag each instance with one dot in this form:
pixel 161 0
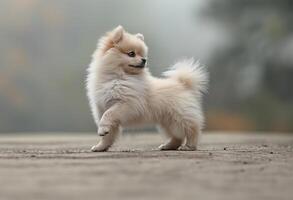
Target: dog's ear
pixel 117 34
pixel 140 36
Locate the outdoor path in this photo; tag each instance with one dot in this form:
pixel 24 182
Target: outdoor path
pixel 227 166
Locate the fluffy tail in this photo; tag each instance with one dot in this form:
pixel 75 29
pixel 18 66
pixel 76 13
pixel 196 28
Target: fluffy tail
pixel 191 74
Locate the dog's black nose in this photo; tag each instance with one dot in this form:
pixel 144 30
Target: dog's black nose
pixel 143 60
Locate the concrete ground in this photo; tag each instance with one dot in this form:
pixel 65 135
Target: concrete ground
pixel 226 166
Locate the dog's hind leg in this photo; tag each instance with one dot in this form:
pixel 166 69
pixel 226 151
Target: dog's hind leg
pixel 173 143
pixel 192 135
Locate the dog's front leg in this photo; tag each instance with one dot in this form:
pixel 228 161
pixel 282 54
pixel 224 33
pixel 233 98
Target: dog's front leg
pixel 112 118
pixel 109 126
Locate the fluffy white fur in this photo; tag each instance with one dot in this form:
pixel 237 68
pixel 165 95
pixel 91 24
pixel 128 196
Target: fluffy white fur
pixel 122 92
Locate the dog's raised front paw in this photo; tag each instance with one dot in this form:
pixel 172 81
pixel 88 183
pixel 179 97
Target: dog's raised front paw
pixel 103 130
pixel 187 148
pixel 99 148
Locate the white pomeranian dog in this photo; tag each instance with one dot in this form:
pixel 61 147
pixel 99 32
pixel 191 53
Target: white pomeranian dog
pixel 122 92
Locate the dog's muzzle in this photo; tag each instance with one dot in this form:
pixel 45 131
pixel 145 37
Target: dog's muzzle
pixel 141 65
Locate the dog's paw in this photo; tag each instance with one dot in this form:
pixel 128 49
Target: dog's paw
pixel 187 148
pixel 166 147
pixel 103 130
pixel 99 148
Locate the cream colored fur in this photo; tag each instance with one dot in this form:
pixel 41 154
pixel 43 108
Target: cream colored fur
pixel 121 95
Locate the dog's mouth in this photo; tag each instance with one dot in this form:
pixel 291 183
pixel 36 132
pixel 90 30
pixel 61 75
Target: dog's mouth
pixel 137 66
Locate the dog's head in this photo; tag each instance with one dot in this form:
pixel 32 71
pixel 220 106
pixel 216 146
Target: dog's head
pixel 124 50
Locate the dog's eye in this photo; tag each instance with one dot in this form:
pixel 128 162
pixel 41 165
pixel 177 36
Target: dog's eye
pixel 131 54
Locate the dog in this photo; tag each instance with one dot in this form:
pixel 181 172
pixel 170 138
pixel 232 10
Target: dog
pixel 122 92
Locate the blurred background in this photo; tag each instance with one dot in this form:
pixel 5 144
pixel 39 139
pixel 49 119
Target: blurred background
pixel 46 46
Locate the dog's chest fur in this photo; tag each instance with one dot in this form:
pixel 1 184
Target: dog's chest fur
pixel 130 89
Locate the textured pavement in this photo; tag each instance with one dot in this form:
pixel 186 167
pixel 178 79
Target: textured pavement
pixel 226 166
